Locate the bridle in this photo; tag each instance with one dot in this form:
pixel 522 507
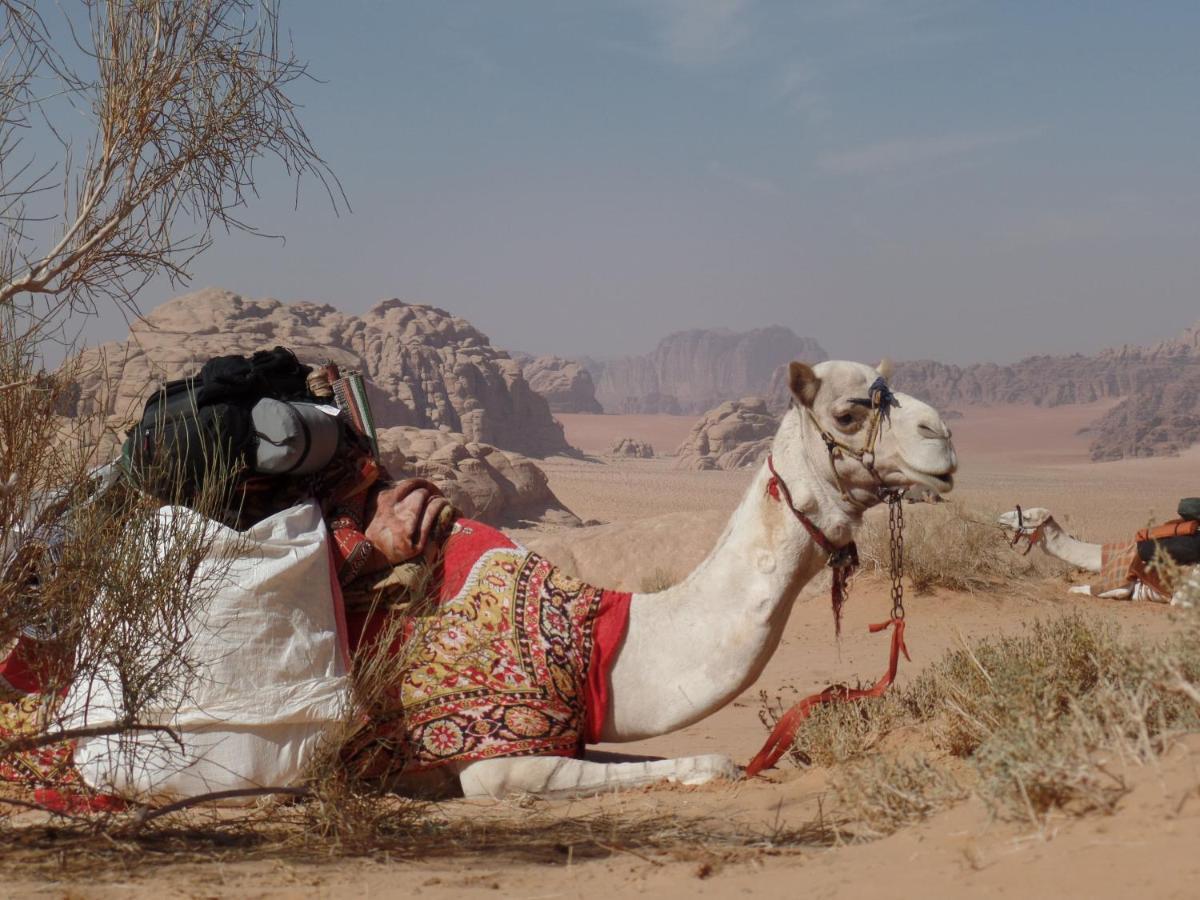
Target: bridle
pixel 1033 537
pixel 881 401
pixel 844 561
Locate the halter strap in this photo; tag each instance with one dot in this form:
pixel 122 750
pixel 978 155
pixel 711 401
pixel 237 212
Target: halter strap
pixel 1032 537
pixel 842 560
pixel 882 401
pixel 777 486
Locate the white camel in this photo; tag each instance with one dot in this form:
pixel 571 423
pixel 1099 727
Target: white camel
pixel 692 648
pixel 1038 527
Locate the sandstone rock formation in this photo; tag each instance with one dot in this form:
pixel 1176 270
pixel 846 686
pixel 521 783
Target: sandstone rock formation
pixel 736 434
pixel 1051 380
pixel 1158 419
pixel 1159 413
pixel 632 448
pixel 692 371
pixel 566 384
pixel 425 367
pixel 491 485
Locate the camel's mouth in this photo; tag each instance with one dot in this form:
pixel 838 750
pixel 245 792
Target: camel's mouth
pixel 940 482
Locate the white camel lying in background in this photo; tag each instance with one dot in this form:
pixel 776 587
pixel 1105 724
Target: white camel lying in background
pixel 1037 526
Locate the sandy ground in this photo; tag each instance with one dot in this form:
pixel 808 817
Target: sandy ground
pixel 659 518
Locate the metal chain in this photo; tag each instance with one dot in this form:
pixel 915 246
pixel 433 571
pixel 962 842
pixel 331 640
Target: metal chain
pixel 896 528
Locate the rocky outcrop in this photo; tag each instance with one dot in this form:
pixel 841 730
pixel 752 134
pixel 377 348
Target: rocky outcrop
pixel 425 367
pixel 1050 380
pixel 692 371
pixel 736 434
pixel 566 384
pixel 485 483
pixel 1159 384
pixel 1160 419
pixel 1040 380
pixel 632 448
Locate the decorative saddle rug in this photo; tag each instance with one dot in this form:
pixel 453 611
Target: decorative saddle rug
pixel 512 661
pixel 25 712
pixel 1125 562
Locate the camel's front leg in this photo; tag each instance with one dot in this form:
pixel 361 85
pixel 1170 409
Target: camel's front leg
pixel 1114 594
pixel 549 775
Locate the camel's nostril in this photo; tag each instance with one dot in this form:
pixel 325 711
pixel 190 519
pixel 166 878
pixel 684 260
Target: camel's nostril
pixel 937 433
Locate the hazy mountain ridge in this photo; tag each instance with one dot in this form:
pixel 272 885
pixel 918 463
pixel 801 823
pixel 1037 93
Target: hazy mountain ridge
pixel 690 372
pixel 1159 387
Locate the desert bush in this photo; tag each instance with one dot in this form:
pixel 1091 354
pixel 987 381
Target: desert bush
pixel 157 114
pixel 1039 717
pixel 952 547
pixel 886 793
pixel 838 733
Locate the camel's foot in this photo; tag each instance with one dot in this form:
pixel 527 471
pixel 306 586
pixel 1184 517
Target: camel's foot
pixel 562 776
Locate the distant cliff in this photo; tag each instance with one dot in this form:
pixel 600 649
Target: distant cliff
pixel 690 372
pixel 1159 384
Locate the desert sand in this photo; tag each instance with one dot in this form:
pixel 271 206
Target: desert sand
pixel 655 519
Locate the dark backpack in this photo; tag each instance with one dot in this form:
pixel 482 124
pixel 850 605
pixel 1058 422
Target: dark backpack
pixel 196 427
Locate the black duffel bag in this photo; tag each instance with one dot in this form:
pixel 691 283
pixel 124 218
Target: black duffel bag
pixel 195 428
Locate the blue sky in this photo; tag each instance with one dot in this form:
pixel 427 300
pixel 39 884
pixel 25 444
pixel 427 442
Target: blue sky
pixel 919 178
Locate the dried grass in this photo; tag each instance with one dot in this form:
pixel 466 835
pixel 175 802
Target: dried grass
pixel 658 580
pixel 1040 718
pixel 884 793
pixel 955 548
pixel 522 833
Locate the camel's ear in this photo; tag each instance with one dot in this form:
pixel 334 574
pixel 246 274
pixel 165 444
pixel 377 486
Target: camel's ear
pixel 885 368
pixel 803 382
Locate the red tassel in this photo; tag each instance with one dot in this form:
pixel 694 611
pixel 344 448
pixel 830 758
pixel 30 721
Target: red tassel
pixel 783 735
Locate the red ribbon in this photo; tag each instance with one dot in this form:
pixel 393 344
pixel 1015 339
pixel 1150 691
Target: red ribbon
pixel 783 735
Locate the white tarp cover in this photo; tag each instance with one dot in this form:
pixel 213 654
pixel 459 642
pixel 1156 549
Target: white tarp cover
pixel 271 670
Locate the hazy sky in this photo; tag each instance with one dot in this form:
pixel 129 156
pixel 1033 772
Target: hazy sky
pixel 958 180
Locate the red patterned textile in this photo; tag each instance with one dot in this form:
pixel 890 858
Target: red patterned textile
pixel 1121 568
pixel 49 769
pixel 514 661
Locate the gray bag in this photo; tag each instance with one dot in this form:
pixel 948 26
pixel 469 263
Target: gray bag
pixel 292 438
pixel 1189 508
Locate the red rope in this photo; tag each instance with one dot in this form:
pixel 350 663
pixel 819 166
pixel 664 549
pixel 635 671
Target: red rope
pixel 783 735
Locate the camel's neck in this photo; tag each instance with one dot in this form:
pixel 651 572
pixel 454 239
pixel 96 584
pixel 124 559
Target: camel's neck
pixel 1059 544
pixel 694 647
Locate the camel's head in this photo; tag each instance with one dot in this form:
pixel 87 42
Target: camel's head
pixel 880 438
pixel 1024 522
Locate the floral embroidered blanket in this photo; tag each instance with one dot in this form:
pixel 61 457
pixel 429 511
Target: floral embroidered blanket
pixel 513 661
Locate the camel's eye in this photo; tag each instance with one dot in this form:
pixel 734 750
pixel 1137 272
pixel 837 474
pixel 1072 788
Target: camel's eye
pixel 845 420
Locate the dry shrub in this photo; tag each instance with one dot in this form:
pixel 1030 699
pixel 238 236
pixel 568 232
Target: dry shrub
pixel 658 580
pixel 884 794
pixel 841 732
pixel 97 584
pixel 952 547
pixel 360 761
pixel 1039 716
